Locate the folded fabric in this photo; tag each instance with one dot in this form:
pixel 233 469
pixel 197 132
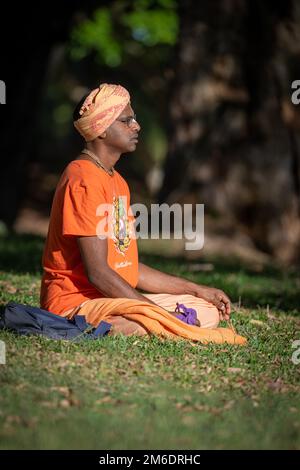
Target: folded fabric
pixel 27 320
pixel 187 315
pixel 154 319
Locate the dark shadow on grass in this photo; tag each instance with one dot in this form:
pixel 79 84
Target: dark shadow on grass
pixel 278 288
pixel 20 254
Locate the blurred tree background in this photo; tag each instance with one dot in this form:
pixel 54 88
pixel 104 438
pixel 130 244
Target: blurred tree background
pixel 211 85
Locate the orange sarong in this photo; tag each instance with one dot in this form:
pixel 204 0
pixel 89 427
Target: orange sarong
pixel 154 319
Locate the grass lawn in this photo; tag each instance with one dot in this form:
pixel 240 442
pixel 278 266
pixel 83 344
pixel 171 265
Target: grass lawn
pixel 132 393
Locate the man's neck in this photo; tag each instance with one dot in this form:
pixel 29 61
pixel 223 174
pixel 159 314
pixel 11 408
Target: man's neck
pixel 108 159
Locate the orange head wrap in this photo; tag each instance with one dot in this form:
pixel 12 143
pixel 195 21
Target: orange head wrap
pixel 100 109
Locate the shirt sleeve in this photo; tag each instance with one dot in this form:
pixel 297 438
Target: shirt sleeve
pixel 79 211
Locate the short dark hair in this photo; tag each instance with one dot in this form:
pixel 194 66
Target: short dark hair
pixel 76 114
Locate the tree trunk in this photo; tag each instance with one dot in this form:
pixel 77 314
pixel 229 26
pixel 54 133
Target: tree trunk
pixel 233 138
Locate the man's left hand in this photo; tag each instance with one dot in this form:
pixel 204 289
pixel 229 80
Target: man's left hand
pixel 218 298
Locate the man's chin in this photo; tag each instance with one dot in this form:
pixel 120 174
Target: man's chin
pixel 132 146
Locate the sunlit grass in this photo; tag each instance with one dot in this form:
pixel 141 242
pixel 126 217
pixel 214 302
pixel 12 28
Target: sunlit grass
pixel 129 393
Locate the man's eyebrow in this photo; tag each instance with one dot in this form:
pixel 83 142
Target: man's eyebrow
pixel 125 117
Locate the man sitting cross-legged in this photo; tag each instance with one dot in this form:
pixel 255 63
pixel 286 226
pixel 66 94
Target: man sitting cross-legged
pixel 81 269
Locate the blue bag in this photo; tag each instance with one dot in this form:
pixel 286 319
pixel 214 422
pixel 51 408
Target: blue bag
pixel 27 320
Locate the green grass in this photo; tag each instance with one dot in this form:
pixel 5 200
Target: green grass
pixel 139 393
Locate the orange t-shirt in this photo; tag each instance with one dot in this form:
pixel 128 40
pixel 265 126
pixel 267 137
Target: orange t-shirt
pixel 81 189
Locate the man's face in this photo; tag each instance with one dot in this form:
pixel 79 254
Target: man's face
pixel 122 135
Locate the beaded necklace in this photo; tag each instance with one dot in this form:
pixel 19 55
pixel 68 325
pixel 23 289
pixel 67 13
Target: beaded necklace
pixel 97 161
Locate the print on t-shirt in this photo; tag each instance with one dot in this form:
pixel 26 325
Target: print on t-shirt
pixel 121 226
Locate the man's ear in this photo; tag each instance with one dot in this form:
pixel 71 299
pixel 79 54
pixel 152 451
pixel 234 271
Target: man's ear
pixel 102 136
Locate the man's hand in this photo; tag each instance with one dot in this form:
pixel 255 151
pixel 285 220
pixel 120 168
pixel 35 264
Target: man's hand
pixel 216 297
pixel 154 281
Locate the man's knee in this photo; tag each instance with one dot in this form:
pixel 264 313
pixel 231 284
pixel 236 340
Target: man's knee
pixel 214 318
pixel 209 319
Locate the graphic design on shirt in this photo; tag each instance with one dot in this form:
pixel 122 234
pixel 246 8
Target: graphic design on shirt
pixel 121 225
pixel 124 264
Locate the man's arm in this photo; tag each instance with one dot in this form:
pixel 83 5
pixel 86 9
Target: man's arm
pixel 94 256
pixel 99 273
pixel 154 281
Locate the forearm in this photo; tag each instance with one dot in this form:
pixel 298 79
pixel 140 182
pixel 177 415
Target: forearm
pixel 112 285
pixel 156 282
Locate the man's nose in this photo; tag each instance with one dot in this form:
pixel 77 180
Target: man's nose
pixel 136 126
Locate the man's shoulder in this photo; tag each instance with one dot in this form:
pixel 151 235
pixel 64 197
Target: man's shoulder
pixel 79 168
pixel 81 172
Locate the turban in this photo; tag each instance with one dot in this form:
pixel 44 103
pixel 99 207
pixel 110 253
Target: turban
pixel 100 109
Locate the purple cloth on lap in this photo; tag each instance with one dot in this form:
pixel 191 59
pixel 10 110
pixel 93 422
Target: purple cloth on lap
pixel 187 315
